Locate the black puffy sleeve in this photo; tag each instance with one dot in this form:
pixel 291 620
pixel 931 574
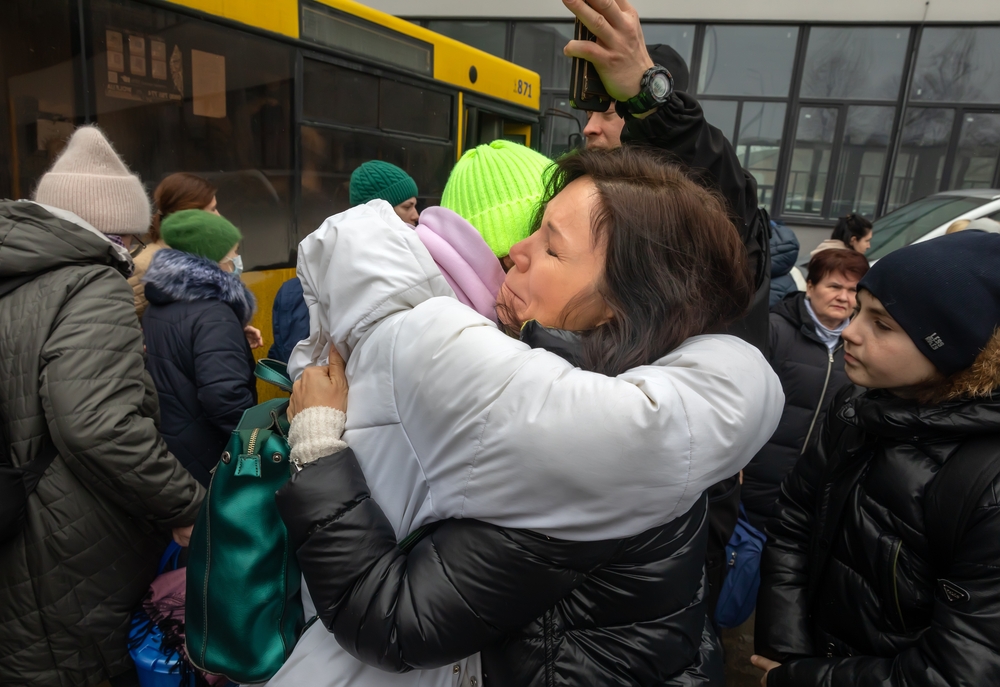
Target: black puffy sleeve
pixel 459 590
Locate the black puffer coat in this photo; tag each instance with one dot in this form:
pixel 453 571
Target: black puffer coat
pixel 542 611
pixel 848 594
pixel 71 371
pixel 810 377
pixel 198 356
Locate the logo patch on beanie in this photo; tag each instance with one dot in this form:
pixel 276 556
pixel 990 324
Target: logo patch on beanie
pixel 934 341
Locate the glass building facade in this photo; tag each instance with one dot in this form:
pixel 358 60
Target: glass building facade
pixel 830 119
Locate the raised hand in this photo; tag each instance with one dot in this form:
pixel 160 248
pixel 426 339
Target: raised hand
pixel 620 51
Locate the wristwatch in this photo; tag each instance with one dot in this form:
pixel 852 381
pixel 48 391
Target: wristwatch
pixel 654 89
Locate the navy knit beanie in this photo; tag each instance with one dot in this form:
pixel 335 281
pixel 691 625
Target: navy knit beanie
pixel 945 293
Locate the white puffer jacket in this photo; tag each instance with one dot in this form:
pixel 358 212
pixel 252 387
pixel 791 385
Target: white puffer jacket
pixel 451 418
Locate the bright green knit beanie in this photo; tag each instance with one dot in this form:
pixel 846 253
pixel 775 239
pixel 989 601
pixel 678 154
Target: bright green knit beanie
pixel 497 188
pixel 377 179
pixel 200 233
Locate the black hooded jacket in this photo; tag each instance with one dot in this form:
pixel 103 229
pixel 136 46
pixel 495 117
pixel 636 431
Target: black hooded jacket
pixel 198 356
pixel 810 376
pixel 850 592
pixel 541 611
pixel 679 126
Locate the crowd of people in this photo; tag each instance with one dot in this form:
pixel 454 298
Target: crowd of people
pixel 575 376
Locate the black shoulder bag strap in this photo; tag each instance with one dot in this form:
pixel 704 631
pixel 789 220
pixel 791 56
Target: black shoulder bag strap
pixel 952 496
pixel 16 483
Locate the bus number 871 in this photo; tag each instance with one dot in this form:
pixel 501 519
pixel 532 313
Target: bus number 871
pixel 523 88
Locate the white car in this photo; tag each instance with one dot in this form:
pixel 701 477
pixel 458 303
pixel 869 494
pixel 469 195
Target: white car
pixel 929 217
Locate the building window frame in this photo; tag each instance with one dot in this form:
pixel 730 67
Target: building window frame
pixel 902 102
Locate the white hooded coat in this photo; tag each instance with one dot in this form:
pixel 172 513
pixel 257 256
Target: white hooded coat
pixel 451 418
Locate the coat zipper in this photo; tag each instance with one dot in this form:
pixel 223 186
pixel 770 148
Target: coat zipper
pixel 895 588
pixel 819 406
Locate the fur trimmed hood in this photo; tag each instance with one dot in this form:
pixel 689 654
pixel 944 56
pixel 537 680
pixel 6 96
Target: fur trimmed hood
pixel 177 276
pixel 979 380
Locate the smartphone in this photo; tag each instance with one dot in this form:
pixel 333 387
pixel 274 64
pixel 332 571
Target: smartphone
pixel 586 91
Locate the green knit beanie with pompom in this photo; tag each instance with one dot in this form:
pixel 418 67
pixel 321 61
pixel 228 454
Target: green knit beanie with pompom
pixel 497 188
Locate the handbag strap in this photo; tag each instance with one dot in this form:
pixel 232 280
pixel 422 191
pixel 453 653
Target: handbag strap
pixel 273 372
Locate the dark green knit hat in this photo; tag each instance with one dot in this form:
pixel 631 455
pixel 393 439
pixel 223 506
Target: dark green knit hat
pixel 377 179
pixel 200 233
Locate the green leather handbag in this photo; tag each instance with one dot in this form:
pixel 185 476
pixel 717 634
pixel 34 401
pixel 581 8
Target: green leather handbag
pixel 244 611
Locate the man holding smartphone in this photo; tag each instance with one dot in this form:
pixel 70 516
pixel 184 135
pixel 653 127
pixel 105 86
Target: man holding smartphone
pixel 669 119
pixel 604 129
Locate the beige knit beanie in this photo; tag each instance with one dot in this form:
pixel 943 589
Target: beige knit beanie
pixel 90 180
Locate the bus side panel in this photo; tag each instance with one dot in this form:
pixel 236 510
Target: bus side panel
pixel 265 285
pixel 495 77
pixel 280 16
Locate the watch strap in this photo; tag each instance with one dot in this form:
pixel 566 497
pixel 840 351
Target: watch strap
pixel 644 101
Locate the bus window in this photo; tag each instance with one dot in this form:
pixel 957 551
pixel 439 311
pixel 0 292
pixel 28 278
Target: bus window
pixel 176 93
pixel 329 155
pixel 482 127
pixel 339 96
pixel 414 110
pixel 38 91
pixel 490 127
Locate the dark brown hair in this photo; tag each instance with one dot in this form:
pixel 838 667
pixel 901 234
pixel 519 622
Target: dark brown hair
pixel 180 191
pixel 847 262
pixel 849 227
pixel 675 264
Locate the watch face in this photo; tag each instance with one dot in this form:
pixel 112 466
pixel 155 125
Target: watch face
pixel 659 86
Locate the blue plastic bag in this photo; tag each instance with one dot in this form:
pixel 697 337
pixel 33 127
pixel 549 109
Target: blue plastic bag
pixel 738 595
pixel 156 666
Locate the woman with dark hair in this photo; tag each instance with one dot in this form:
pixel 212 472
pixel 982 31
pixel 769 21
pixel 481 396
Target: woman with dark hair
pixel 807 354
pixel 853 232
pixel 574 461
pixel 180 191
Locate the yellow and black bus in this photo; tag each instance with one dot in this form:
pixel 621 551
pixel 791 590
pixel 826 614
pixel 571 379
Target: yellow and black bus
pixel 274 101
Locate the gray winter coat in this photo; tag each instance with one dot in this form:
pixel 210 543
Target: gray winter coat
pixel 71 367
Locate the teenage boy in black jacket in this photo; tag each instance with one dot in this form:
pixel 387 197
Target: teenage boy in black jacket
pixel 881 566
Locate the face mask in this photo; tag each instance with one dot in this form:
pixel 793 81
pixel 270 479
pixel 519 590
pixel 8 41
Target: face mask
pixel 237 265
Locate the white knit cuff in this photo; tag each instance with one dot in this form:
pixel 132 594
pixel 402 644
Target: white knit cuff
pixel 316 432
